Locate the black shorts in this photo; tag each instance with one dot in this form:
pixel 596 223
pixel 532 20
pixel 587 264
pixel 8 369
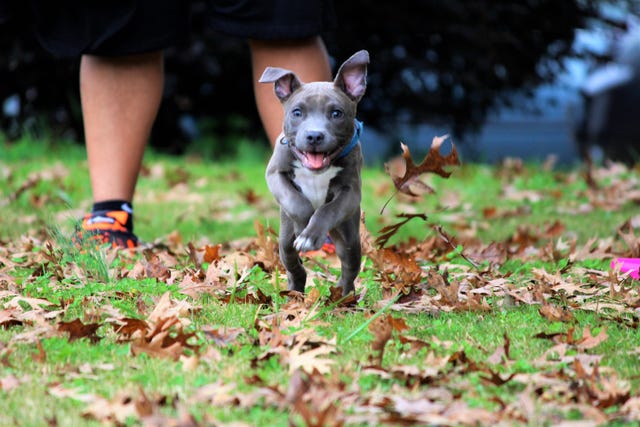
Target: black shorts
pixel 68 28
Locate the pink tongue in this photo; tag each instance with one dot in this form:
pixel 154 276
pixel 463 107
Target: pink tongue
pixel 314 160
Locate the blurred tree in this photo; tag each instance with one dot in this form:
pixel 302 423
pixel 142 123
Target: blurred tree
pixel 451 62
pixel 432 61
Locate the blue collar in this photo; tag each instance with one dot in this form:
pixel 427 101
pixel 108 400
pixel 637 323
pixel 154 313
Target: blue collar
pixel 354 141
pixel 347 149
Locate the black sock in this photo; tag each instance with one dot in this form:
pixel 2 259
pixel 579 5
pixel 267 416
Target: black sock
pixel 116 205
pixel 113 205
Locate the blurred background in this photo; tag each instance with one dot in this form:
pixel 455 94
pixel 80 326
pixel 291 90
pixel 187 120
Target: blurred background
pixel 521 78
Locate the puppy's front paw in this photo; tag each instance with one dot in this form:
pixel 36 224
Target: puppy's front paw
pixel 306 242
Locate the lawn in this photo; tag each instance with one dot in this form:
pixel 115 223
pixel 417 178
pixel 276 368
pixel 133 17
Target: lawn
pixel 491 302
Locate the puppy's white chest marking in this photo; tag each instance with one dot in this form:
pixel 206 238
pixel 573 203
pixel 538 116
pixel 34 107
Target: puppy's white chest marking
pixel 314 185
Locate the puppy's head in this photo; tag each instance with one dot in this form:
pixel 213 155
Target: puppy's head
pixel 320 116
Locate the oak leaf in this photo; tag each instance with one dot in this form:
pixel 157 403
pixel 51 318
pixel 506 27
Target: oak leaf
pixel 10 317
pixel 589 341
pixel 128 326
pixel 76 330
pixel 501 353
pixel 267 247
pixel 433 162
pixel 382 329
pixel 223 336
pixel 312 359
pixel 156 347
pixel 155 268
pixel 211 253
pixel 390 230
pixel 556 314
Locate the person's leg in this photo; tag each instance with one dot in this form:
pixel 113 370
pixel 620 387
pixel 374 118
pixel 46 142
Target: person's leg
pixel 308 58
pixel 120 98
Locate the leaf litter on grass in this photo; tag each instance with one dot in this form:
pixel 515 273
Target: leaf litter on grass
pixel 405 377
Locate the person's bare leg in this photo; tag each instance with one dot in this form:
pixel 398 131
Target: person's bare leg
pixel 120 98
pixel 308 58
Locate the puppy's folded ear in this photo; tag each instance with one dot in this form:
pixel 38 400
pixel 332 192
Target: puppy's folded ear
pixel 286 81
pixel 352 75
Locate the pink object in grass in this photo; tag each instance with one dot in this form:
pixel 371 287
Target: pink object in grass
pixel 631 265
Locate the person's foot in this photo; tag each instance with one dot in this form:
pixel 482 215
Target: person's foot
pixel 106 227
pixel 328 246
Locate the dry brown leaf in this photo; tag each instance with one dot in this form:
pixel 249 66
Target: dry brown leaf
pixel 127 327
pixel 253 296
pixel 588 341
pixel 76 330
pixel 501 354
pixel 156 347
pixel 298 385
pixel 222 336
pixel 554 313
pixel 417 407
pixel 41 355
pixel 495 378
pixel 166 307
pixel 390 230
pixel 124 406
pixel 627 232
pixel 433 162
pixel 211 253
pixel 382 330
pixel 10 317
pixel 300 357
pixel 9 382
pixel 155 268
pixel 267 247
pixel 631 409
pixel 460 413
pixel 34 303
pixel 250 197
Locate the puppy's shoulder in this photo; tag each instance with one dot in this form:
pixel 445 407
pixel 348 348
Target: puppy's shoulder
pixel 281 159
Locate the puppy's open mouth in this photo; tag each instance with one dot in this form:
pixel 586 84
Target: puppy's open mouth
pixel 314 161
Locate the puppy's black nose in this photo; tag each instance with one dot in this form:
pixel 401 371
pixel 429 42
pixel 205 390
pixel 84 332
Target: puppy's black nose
pixel 315 137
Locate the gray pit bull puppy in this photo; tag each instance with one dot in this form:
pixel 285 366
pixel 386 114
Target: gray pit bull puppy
pixel 314 172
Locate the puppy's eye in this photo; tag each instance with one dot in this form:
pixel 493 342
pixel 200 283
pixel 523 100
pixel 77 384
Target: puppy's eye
pixel 336 114
pixel 296 112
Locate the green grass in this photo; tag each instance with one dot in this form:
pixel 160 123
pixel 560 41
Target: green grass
pixel 46 189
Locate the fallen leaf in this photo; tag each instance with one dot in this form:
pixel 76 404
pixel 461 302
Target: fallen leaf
pixel 41 355
pixel 9 318
pixel 9 382
pixel 127 327
pixel 298 386
pixel 310 359
pixel 76 330
pixel 156 347
pixel 382 330
pixel 496 379
pixel 588 341
pixel 155 268
pixel 501 354
pixel 222 336
pixel 125 406
pixel 211 253
pixel 166 307
pixel 556 314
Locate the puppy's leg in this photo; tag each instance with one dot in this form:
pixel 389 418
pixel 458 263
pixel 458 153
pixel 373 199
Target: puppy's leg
pixel 296 274
pixel 346 237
